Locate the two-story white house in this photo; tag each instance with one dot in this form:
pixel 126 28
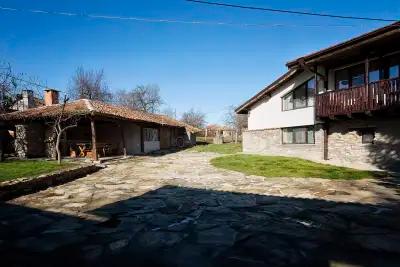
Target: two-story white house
pixel 340 104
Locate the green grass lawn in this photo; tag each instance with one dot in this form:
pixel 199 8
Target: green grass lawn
pixel 272 166
pixel 229 148
pixel 12 169
pixel 202 139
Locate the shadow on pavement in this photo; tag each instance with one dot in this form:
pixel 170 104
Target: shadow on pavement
pixel 177 226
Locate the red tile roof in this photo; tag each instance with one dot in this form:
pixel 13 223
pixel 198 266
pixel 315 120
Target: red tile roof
pixel 84 107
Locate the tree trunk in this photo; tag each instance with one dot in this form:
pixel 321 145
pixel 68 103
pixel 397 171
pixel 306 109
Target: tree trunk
pixel 2 141
pixel 1 149
pixel 58 148
pixel 236 137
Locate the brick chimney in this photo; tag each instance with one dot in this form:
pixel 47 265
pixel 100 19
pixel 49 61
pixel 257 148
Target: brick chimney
pixel 50 97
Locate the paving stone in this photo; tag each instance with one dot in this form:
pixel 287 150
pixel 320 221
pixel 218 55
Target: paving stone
pixel 116 246
pixel 50 242
pixel 92 252
pixel 156 239
pixel 178 210
pixel 217 236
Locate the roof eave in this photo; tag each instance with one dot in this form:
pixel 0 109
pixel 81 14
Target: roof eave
pixel 244 108
pixel 343 45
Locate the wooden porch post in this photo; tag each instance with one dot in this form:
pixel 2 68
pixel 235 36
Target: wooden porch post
pixel 123 139
pixel 94 143
pixel 141 139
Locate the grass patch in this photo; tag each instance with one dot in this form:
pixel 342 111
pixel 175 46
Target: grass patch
pixel 229 148
pixel 273 166
pixel 202 139
pixel 12 169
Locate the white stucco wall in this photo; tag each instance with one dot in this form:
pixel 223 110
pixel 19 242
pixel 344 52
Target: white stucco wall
pixel 150 146
pixel 267 113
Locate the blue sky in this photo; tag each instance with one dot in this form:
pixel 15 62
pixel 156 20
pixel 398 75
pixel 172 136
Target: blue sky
pixel 206 67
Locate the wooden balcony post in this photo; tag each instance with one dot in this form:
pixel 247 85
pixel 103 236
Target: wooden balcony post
pixel 94 140
pixel 367 82
pixel 316 91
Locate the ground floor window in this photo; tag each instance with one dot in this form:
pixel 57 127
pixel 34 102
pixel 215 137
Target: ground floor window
pixel 298 135
pixel 150 134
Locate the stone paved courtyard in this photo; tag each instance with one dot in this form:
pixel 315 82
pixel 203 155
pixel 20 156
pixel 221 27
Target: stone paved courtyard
pixel 178 210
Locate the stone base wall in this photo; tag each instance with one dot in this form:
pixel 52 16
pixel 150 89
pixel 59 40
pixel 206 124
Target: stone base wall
pixel 269 142
pixel 29 140
pixel 345 145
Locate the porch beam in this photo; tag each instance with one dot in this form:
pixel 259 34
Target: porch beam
pixel 94 139
pixel 313 70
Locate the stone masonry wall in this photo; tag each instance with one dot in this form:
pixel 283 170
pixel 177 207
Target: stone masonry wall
pixel 269 142
pixel 29 140
pixel 345 145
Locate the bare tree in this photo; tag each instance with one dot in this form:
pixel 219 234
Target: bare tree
pixel 170 112
pixel 61 125
pixel 8 87
pixel 12 85
pixel 194 118
pixel 2 137
pixel 89 84
pixel 235 121
pixel 144 97
pixel 238 122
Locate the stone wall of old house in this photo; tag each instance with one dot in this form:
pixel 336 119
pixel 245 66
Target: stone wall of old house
pixel 50 142
pixel 269 142
pixel 29 140
pixel 345 145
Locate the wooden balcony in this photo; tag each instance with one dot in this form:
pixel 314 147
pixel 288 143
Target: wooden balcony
pixel 375 96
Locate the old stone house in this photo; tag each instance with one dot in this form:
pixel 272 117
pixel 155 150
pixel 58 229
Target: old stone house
pixel 339 105
pixel 102 130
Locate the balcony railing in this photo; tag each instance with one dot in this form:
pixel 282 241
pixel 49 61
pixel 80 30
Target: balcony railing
pixel 376 96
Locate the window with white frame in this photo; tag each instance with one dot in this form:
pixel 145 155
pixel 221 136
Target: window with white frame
pixel 301 97
pixel 298 135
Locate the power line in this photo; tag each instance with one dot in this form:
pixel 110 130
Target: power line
pixel 291 11
pixel 169 21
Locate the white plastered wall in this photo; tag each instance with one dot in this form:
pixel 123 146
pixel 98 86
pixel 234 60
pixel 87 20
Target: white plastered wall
pixel 268 113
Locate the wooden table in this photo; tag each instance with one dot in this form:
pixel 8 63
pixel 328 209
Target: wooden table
pixel 85 146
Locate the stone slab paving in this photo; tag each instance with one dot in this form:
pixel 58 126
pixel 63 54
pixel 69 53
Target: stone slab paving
pixel 178 210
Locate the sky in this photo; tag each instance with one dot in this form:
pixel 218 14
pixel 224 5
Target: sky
pixel 205 67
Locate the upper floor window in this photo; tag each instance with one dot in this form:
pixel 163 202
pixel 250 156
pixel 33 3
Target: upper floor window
pixel 376 71
pixel 350 77
pixel 301 97
pixel 394 68
pixel 379 69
